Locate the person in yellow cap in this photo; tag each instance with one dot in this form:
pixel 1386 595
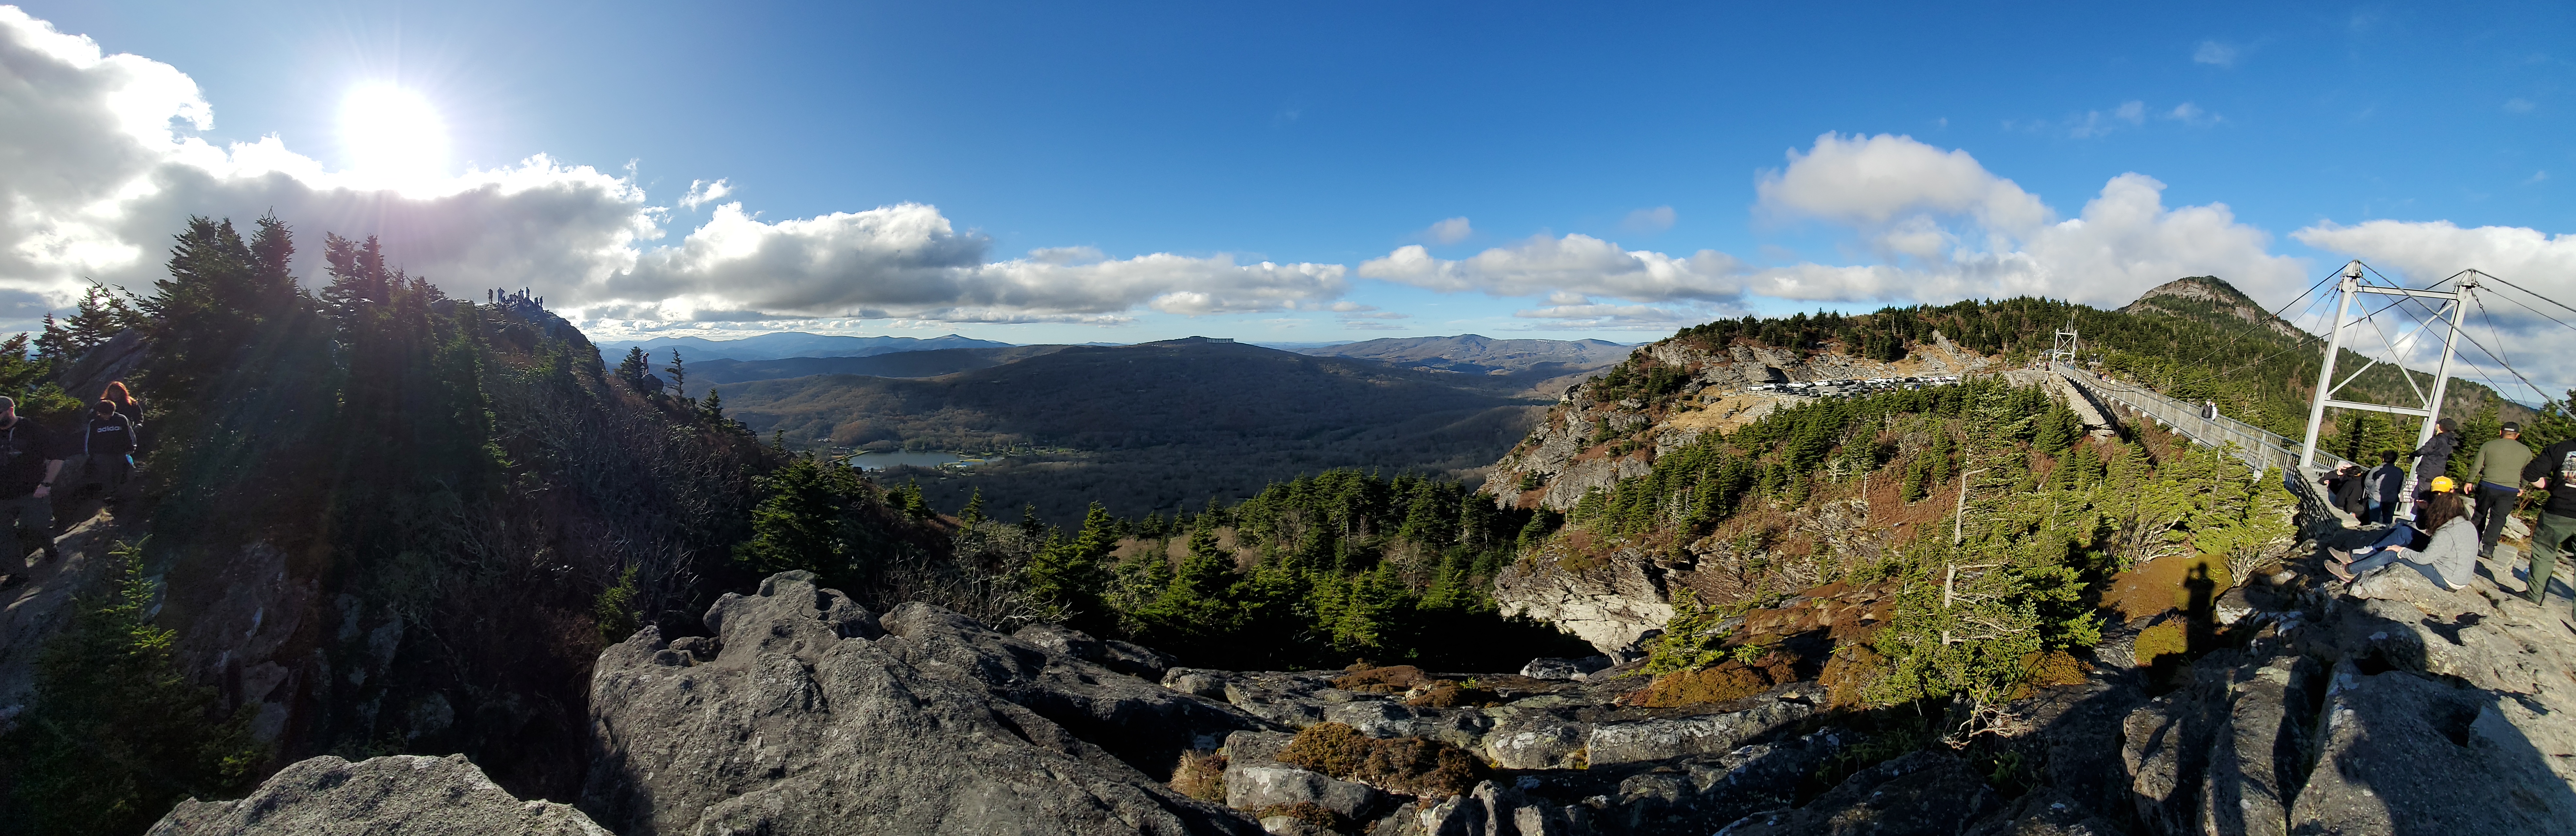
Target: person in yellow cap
pixel 2449 556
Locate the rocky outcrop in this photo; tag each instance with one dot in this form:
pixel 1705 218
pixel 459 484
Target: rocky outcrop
pixel 407 794
pixel 1611 605
pixel 1926 792
pixel 805 713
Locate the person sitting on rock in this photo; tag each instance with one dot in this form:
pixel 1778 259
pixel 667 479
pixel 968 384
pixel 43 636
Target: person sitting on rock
pixel 2450 558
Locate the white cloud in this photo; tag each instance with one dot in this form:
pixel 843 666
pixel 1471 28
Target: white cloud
pixel 1624 317
pixel 2193 115
pixel 702 192
pixel 2215 54
pixel 1450 231
pixel 97 170
pixel 2517 105
pixel 2536 178
pixel 1656 219
pixel 1575 263
pixel 1869 181
pixel 2100 123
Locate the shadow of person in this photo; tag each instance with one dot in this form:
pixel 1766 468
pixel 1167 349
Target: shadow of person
pixel 2200 608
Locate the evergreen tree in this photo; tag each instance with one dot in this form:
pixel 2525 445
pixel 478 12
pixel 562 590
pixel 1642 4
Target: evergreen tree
pixel 679 373
pixel 974 511
pixel 635 367
pixel 805 520
pixel 713 405
pixel 1069 575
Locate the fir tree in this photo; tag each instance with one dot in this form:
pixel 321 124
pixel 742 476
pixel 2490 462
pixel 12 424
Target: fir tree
pixel 679 373
pixel 974 511
pixel 635 367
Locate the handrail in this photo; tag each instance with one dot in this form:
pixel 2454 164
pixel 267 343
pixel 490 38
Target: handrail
pixel 2260 448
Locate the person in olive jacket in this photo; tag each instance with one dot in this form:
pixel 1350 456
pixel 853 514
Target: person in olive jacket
pixel 2554 470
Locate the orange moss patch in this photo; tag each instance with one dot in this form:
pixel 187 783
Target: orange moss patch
pixel 1849 673
pixel 1728 680
pixel 2053 669
pixel 2167 639
pixel 1445 693
pixel 2166 584
pixel 1200 775
pixel 1393 679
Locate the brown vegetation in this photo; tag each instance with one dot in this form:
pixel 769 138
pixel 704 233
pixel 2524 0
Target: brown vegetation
pixel 1410 765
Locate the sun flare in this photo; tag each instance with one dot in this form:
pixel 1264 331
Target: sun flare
pixel 394 137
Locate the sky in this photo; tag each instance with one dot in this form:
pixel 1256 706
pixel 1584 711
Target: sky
pixel 1310 172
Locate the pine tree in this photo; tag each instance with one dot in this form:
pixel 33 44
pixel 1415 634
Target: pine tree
pixel 679 375
pixel 635 367
pixel 713 405
pixel 974 511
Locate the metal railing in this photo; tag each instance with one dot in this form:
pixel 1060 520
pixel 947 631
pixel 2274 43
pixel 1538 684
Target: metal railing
pixel 2260 448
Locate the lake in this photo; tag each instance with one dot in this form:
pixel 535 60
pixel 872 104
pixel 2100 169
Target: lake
pixel 881 461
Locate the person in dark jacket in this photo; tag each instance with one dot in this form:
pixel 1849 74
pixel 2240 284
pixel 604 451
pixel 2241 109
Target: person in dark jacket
pixel 127 406
pixel 2435 456
pixel 2554 470
pixel 29 461
pixel 2380 489
pixel 107 450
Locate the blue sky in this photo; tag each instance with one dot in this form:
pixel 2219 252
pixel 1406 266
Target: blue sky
pixel 1153 157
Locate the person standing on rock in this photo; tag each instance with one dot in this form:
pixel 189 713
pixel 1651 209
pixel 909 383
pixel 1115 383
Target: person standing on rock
pixel 2497 472
pixel 107 450
pixel 2435 456
pixel 27 478
pixel 2554 470
pixel 2379 490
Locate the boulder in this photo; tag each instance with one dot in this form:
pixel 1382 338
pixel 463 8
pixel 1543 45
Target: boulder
pixel 800 717
pixel 1610 605
pixel 1493 809
pixel 408 794
pixel 1145 725
pixel 1131 659
pixel 1659 739
pixel 2048 811
pixel 1683 796
pixel 1925 793
pixel 1576 669
pixel 1537 740
pixel 2403 753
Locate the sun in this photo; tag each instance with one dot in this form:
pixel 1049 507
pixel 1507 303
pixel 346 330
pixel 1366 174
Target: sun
pixel 394 137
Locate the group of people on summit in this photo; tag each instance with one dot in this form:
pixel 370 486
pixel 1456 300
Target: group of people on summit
pixel 40 459
pixel 2458 523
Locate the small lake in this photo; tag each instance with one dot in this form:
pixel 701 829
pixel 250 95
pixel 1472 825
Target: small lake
pixel 881 461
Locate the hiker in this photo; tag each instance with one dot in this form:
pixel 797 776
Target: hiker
pixel 2435 456
pixel 2448 557
pixel 107 450
pixel 2343 488
pixel 2380 489
pixel 2556 465
pixel 27 478
pixel 2497 473
pixel 127 406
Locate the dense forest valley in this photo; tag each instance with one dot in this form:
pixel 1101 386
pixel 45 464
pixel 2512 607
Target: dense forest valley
pixel 1285 593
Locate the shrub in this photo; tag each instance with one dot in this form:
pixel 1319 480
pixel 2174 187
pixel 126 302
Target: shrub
pixel 115 734
pixel 615 609
pixel 2166 639
pixel 1200 775
pixel 1409 765
pixel 1691 639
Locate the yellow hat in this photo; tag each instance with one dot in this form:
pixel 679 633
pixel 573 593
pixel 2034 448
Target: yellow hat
pixel 2442 484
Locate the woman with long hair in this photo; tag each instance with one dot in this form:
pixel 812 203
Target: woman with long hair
pixel 125 404
pixel 2450 557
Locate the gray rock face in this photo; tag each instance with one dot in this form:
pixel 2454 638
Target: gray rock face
pixel 1133 660
pixel 2406 754
pixel 799 717
pixel 1685 796
pixel 406 794
pixel 1565 668
pixel 1609 606
pixel 1923 793
pixel 1145 725
pixel 1663 739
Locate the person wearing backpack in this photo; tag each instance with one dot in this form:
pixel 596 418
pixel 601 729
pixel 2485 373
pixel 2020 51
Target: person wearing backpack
pixel 107 450
pixel 2554 470
pixel 29 461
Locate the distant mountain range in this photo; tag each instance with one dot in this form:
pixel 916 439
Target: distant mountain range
pixel 1151 426
pixel 784 345
pixel 929 363
pixel 1479 354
